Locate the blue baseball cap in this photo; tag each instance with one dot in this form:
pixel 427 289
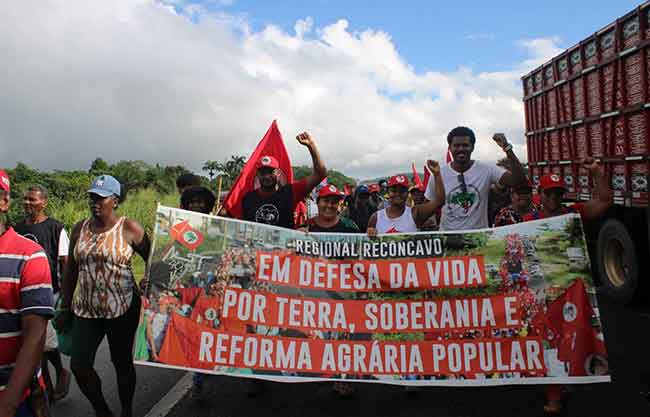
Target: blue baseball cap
pixel 362 189
pixel 105 186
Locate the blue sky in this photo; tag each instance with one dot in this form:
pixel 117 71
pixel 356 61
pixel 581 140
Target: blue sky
pixel 378 84
pixel 442 35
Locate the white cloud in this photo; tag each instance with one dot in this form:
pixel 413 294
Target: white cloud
pixel 134 81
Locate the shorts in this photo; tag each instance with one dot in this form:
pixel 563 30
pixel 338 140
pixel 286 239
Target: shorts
pixel 51 340
pixel 87 334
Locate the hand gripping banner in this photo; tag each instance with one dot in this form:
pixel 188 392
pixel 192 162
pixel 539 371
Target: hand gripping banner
pixel 512 305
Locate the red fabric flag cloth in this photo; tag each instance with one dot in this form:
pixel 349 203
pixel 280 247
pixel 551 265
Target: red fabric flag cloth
pixel 347 189
pixel 270 145
pixel 427 177
pixel 300 214
pixel 173 349
pixel 189 295
pixel 569 319
pixel 417 181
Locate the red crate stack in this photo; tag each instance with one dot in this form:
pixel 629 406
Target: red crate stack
pixel 565 143
pixel 554 138
pixel 633 81
pixel 593 93
pixel 581 146
pixel 594 100
pixel 578 98
pixel 610 89
pixel 596 139
pixel 637 133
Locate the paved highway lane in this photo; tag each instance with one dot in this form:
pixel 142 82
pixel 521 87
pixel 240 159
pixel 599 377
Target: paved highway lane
pixel 627 331
pixel 152 385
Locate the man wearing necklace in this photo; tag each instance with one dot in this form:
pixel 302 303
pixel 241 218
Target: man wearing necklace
pixel 467 182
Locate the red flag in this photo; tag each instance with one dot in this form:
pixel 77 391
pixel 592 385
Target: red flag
pixel 270 145
pixel 427 177
pixel 347 189
pixel 184 234
pixel 417 181
pixel 449 156
pixel 570 327
pixel 300 214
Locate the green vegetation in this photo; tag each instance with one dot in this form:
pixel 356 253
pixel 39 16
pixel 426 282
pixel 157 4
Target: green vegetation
pixel 143 187
pixel 333 176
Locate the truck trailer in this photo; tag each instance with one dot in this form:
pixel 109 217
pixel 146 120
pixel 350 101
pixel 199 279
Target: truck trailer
pixel 593 100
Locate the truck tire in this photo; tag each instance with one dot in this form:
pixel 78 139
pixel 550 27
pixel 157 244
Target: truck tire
pixel 618 266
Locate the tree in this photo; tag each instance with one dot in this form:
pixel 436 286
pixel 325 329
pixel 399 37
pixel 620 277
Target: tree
pixel 212 167
pixel 333 176
pixel 130 174
pixel 232 168
pixel 99 167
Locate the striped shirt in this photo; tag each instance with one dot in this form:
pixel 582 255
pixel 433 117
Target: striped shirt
pixel 25 288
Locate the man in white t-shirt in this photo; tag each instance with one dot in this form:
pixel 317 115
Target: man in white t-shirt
pixel 467 182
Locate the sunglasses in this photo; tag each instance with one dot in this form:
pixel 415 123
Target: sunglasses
pixel 463 186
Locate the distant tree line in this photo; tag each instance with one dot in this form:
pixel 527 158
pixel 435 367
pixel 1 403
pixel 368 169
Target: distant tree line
pixel 67 189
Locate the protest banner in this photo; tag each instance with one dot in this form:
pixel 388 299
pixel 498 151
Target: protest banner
pixel 512 305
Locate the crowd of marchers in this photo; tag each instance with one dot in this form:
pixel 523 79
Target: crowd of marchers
pixel 81 284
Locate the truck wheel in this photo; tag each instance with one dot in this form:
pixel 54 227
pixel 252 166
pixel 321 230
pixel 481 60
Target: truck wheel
pixel 617 262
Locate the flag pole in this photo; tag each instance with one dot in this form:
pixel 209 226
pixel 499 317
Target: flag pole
pixel 218 207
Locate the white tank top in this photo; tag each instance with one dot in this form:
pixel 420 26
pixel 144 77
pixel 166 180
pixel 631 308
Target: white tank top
pixel 401 224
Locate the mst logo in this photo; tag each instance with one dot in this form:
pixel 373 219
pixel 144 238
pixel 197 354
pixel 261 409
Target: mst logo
pixel 460 201
pixel 268 214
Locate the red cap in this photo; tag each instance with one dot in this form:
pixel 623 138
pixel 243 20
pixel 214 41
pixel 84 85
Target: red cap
pixel 550 181
pixel 268 161
pixel 5 184
pixel 373 188
pixel 330 190
pixel 400 180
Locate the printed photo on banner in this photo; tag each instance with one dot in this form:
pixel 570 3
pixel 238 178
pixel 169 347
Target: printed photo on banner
pixel 512 305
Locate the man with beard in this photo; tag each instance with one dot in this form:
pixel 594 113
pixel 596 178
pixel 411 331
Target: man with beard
pixel 273 203
pixel 52 237
pixel 400 218
pixel 467 182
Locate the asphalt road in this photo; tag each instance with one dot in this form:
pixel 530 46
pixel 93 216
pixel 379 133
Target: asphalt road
pixel 152 385
pixel 627 333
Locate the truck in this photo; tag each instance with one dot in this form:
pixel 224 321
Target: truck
pixel 593 100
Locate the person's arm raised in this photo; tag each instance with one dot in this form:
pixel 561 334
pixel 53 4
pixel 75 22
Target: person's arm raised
pixel 596 207
pixel 516 177
pixel 422 212
pixel 319 171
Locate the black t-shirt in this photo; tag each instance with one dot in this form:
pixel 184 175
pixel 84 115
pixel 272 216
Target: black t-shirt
pixel 46 234
pixel 344 225
pixel 275 209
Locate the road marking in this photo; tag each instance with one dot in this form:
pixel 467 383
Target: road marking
pixel 175 394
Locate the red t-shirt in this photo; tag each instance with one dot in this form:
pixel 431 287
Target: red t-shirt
pixel 573 208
